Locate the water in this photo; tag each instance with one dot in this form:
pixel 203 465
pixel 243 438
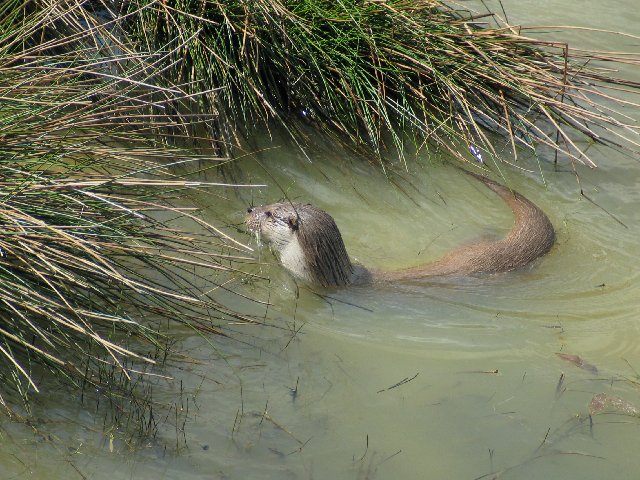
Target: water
pixel 425 380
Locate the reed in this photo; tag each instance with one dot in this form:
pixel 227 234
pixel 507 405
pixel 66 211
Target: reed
pixel 377 73
pixel 94 251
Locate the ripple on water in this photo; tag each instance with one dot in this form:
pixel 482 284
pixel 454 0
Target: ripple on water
pixel 501 312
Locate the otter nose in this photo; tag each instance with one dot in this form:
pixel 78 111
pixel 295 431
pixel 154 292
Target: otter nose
pixel 249 210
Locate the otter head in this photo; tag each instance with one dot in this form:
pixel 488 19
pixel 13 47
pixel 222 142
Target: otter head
pixel 306 239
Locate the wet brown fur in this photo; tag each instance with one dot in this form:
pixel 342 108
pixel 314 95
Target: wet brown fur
pixel 320 238
pixel 327 262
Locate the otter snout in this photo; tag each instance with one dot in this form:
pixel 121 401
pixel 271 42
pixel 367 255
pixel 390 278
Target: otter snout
pixel 264 222
pixel 277 223
pixel 252 219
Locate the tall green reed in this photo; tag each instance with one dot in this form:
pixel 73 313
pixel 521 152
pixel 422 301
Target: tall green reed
pixel 375 74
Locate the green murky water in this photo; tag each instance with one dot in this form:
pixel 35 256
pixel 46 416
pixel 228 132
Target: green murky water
pixel 425 380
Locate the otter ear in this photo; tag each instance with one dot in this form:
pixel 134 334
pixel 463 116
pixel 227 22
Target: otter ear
pixel 293 222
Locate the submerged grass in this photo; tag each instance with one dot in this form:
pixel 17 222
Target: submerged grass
pixel 376 73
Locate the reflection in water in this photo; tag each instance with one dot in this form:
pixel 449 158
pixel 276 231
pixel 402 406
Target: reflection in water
pixel 420 380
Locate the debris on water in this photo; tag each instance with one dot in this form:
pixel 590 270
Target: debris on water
pixel 578 362
pixel 401 382
pixel 560 386
pixel 601 401
pixel 294 391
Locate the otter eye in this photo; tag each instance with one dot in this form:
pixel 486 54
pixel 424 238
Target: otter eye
pixel 268 213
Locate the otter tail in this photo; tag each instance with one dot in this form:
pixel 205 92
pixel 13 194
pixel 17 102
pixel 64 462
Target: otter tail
pixel 531 237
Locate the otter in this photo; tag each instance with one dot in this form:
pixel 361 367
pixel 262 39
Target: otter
pixel 309 244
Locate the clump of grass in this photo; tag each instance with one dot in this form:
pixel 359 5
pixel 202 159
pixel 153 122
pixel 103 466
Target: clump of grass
pixel 379 72
pixel 91 256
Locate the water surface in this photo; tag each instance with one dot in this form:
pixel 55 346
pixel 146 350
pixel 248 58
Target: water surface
pixel 423 380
